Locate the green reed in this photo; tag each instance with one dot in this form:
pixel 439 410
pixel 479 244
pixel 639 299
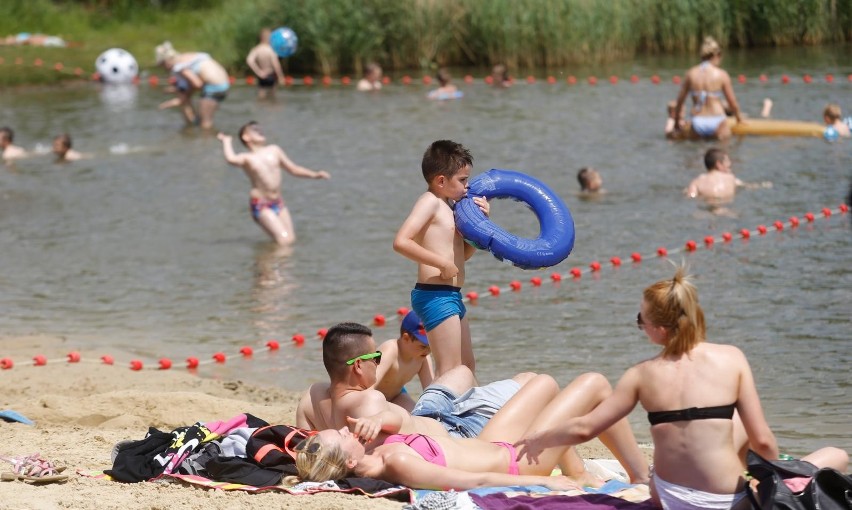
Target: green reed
pixel 341 36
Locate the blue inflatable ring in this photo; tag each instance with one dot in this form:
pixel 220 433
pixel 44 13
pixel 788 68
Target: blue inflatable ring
pixel 553 244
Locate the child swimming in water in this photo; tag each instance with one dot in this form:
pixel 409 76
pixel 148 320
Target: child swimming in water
pixel 447 90
pixel 63 151
pixel 9 150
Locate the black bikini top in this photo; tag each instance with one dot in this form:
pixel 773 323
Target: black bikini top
pixel 692 413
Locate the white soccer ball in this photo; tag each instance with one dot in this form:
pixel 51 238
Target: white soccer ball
pixel 116 66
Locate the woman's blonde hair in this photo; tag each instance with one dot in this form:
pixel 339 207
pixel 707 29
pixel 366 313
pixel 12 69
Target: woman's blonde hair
pixel 165 52
pixel 318 462
pixel 673 304
pixel 710 48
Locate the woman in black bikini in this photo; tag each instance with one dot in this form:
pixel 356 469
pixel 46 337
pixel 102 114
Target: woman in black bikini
pixel 691 390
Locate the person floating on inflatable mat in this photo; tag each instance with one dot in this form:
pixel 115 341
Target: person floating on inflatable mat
pixel 429 237
pixel 707 83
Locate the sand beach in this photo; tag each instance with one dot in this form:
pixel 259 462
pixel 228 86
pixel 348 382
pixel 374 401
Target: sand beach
pixel 82 409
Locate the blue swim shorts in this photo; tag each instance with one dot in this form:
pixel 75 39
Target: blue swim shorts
pixel 465 415
pixel 436 303
pixel 217 92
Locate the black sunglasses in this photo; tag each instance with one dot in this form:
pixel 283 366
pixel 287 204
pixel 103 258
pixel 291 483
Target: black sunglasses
pixel 312 449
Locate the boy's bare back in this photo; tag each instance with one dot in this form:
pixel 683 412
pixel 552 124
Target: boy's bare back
pixel 263 59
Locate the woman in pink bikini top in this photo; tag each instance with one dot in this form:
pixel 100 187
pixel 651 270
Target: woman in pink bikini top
pixel 443 462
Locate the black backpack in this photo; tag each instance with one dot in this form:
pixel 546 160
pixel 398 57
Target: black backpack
pixel 828 489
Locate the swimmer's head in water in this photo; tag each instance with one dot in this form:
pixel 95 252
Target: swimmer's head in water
pixel 832 113
pixel 373 71
pixel 164 54
pixel 61 144
pixel 714 157
pixel 710 48
pixel 6 135
pixel 443 77
pixel 589 179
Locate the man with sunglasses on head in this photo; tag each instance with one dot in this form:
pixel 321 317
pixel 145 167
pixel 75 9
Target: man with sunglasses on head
pixel 450 405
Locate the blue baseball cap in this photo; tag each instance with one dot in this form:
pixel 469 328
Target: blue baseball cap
pixel 412 325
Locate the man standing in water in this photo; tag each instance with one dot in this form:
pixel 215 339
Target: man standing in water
pixel 262 165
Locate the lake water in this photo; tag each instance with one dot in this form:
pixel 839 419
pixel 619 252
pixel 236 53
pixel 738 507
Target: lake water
pixel 148 250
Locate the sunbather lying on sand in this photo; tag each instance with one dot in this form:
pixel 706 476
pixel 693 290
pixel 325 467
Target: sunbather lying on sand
pixel 443 462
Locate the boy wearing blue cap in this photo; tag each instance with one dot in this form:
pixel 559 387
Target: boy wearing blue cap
pixel 402 359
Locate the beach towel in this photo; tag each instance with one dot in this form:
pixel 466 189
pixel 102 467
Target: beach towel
pixel 613 494
pixel 502 501
pixel 357 486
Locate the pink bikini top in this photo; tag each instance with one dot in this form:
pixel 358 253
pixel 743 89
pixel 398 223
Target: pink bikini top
pixel 425 446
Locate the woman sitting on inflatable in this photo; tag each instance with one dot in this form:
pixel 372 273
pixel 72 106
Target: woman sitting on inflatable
pixel 707 83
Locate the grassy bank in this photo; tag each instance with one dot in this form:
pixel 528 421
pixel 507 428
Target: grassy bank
pixel 342 35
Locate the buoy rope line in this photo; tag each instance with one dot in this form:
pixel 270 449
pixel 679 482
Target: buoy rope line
pixel 308 80
pixel 471 297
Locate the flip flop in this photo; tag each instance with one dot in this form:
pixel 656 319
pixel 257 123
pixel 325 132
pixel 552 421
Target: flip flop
pixel 14 416
pixel 33 469
pixel 33 480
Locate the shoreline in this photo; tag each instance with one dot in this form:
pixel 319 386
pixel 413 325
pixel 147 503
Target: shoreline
pixel 82 410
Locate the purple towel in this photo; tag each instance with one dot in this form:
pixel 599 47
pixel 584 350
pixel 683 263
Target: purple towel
pixel 501 501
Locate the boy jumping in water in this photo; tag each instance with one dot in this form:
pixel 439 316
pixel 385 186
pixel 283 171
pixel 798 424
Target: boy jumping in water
pixel 429 237
pixel 262 165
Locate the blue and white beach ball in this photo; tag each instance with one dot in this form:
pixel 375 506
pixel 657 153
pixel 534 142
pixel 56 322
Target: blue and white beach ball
pixel 116 66
pixel 284 41
pixel 830 134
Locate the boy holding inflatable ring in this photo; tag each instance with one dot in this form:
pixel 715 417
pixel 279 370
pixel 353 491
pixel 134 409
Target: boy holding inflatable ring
pixel 429 237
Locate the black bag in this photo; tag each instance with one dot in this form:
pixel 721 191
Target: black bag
pixel 272 446
pixel 828 489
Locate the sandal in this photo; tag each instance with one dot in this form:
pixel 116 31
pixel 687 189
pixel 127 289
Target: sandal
pixel 33 469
